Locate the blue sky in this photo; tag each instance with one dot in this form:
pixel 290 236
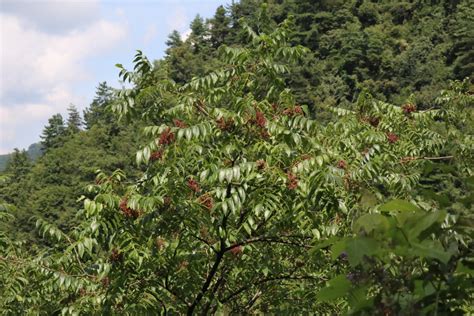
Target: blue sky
pixel 53 53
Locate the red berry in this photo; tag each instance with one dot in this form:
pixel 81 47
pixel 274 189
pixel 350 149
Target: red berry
pixel 292 181
pixel 160 243
pixel 392 138
pixel 260 119
pixel 222 124
pixel 408 108
pixel 237 250
pixel 116 256
pixel 167 137
pixel 374 121
pixel 193 185
pixel 298 110
pixel 288 112
pixel 179 123
pixel 261 164
pixel 156 155
pixel 128 212
pixel 105 282
pixel 206 201
pixel 341 164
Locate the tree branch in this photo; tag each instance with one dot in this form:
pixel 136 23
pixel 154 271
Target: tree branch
pixel 268 240
pixel 208 281
pixel 265 280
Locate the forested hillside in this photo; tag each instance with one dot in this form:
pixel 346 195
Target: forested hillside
pixel 287 157
pixel 33 152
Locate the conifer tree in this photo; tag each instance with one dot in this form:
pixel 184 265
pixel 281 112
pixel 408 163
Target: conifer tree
pixel 463 32
pixel 97 111
pixel 174 40
pixel 198 34
pixel 74 120
pixel 53 132
pixel 219 27
pixel 19 163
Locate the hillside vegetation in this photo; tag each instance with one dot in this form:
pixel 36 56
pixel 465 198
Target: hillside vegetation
pixel 288 157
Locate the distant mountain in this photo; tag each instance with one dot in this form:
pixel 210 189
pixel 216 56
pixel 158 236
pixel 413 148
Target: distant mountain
pixel 34 152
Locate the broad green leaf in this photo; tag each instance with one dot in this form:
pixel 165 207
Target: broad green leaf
pixel 338 287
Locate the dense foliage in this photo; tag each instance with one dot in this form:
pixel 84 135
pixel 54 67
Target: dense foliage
pixel 281 181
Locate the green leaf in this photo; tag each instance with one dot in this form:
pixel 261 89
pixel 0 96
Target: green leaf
pixel 371 222
pixel 360 247
pixel 337 249
pixel 431 249
pixel 337 287
pixel 398 205
pixel 426 222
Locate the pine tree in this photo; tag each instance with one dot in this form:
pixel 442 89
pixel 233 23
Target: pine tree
pixel 219 27
pixel 19 164
pixel 74 120
pixel 174 40
pixel 97 111
pixel 199 33
pixel 463 31
pixel 52 136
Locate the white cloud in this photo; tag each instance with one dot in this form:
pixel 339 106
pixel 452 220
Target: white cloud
pixel 31 59
pixel 150 34
pixel 38 69
pixel 53 16
pixel 178 19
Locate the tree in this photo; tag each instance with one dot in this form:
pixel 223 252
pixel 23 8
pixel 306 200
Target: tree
pixel 52 136
pixel 74 120
pixel 97 112
pixel 246 204
pixel 463 33
pixel 174 40
pixel 264 186
pixel 219 27
pixel 199 34
pixel 19 164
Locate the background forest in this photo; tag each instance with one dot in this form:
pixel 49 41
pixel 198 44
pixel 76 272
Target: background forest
pixel 383 85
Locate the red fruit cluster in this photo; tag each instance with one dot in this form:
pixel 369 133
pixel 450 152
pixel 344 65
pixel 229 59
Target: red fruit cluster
pixel 297 110
pixel 183 265
pixel 408 108
pixel 116 256
pixel 179 123
pixel 374 121
pixel 260 119
pixel 105 282
pixel 167 137
pixel 392 138
pixel 342 164
pixel 292 181
pixel 261 164
pixel 206 201
pixel 236 250
pixel 156 155
pixel 160 243
pixel 128 212
pixel 194 185
pixel 223 124
pixel 264 134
